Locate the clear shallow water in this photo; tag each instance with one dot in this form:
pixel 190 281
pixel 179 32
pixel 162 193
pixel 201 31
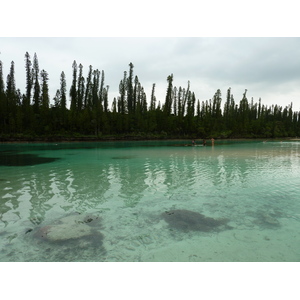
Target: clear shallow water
pixel 107 201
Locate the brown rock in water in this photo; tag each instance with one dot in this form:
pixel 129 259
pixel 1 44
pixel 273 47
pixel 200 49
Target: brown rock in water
pixel 187 220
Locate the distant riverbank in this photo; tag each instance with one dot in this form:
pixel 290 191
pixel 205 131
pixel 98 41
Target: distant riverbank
pixel 55 139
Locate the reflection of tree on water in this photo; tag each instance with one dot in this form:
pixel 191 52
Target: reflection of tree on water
pixel 234 173
pixel 128 178
pixel 88 186
pixel 73 189
pixel 203 173
pixel 131 178
pixel 10 201
pixel 80 190
pixel 39 190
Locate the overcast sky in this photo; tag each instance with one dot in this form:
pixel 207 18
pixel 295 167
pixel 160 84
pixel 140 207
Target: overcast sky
pixel 266 65
pixel 269 68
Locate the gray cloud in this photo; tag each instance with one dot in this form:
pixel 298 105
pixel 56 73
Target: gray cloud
pixel 267 67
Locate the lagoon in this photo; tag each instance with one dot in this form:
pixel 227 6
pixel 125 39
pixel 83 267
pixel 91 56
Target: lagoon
pixel 147 201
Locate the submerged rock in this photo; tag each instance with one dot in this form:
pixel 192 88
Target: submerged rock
pixel 63 232
pixel 267 219
pixel 69 228
pixel 187 220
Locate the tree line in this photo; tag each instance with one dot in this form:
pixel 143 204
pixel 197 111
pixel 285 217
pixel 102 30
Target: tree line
pixel 131 114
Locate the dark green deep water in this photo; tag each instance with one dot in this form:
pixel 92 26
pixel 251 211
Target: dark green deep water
pixel 150 201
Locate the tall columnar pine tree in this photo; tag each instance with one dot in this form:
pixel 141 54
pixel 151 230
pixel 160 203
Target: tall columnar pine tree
pixel 153 98
pixel 3 107
pixel 185 98
pixel 73 90
pixel 191 99
pixel 63 101
pixel 11 84
pixel 29 78
pixel 144 104
pixel 45 91
pixel 37 89
pixel 44 108
pixel 55 113
pixel 105 98
pixel 80 88
pixel 175 102
pixel 114 106
pixel 3 102
pixel 88 90
pixel 11 99
pixel 198 114
pixel 135 92
pixel 179 103
pixel 63 90
pixel 226 112
pixel 216 112
pixel 95 90
pixel 97 109
pixel 122 90
pixel 1 79
pixel 106 128
pixel 244 113
pixel 138 96
pixel 169 97
pixel 130 96
pixel 101 91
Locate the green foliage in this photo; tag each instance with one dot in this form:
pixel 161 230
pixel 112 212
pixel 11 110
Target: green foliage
pixel 180 116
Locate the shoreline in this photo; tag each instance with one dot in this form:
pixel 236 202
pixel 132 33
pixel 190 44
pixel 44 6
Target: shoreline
pixel 126 138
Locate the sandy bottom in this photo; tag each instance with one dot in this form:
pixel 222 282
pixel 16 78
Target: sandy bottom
pixel 254 185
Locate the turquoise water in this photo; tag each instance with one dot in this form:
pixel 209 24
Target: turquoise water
pixel 112 201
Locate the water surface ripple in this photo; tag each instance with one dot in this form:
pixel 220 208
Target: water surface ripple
pixel 105 201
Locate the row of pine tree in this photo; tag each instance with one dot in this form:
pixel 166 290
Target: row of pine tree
pixel 180 115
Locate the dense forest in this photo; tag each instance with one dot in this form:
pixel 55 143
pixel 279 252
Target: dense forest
pixel 30 114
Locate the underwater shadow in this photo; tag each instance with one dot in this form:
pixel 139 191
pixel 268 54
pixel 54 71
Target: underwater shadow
pixel 186 220
pixel 20 160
